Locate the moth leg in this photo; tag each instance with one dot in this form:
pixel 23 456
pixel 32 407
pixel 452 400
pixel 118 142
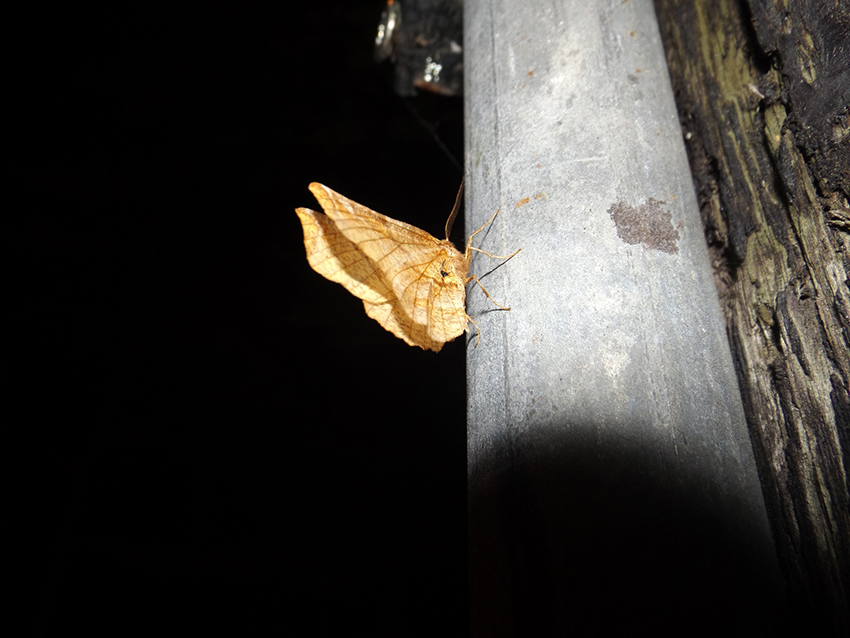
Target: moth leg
pixel 469 241
pixel 484 290
pixel 478 337
pixel 478 250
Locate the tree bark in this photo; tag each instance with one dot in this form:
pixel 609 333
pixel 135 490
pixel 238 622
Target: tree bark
pixel 762 90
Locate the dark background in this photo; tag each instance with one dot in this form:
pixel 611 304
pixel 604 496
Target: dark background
pixel 217 438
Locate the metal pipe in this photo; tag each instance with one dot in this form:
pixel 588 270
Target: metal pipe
pixel 611 476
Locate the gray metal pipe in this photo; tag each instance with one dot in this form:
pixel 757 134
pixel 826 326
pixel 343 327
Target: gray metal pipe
pixel 611 476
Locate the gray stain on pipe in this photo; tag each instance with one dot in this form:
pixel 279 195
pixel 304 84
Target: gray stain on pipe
pixel 646 224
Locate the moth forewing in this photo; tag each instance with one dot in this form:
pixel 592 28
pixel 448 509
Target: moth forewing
pixel 331 255
pixel 393 266
pixel 411 283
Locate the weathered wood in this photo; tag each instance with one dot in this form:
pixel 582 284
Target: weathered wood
pixel 762 93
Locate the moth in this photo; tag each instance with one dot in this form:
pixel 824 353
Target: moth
pixel 411 283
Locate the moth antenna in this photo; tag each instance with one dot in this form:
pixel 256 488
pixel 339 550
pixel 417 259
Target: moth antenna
pixel 451 220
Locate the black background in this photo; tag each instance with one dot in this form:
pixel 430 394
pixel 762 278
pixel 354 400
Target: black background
pixel 221 440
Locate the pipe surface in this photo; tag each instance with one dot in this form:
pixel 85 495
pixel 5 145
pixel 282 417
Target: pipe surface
pixel 611 477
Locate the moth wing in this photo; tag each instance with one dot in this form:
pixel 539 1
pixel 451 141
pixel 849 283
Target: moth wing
pixel 446 299
pixel 416 280
pixel 335 257
pixel 428 316
pixel 393 318
pixel 401 251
